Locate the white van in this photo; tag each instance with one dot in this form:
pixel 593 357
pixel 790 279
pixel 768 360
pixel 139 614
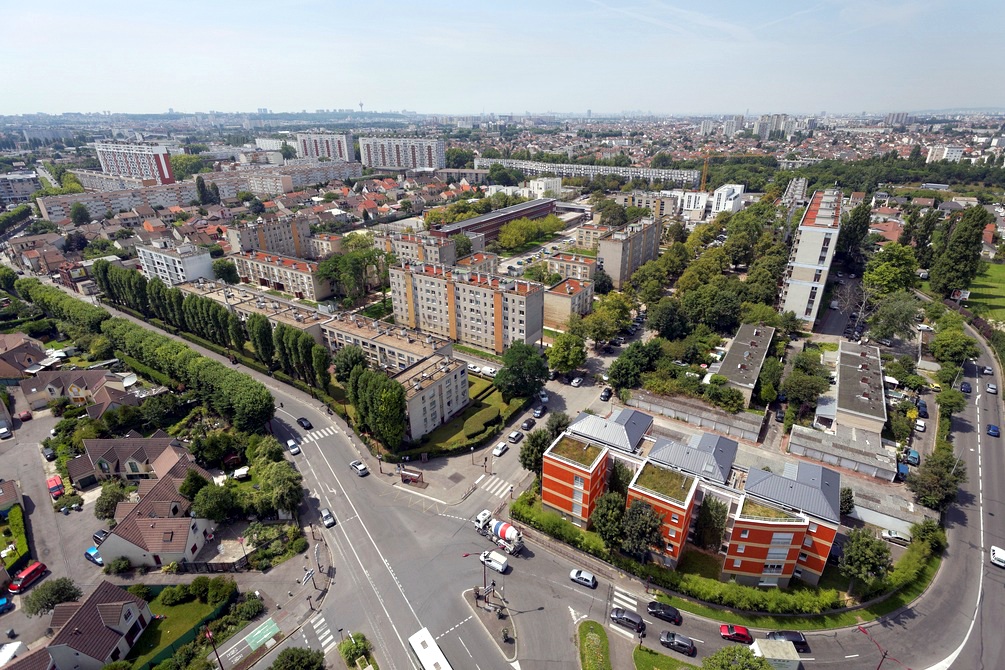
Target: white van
pixel 997 556
pixel 495 560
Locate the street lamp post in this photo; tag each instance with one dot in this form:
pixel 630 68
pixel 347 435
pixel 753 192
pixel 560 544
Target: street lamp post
pixel 340 635
pixel 209 636
pixel 472 455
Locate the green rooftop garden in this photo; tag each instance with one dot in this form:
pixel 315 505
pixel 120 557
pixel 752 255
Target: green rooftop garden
pixel 576 451
pixel 670 483
pixel 756 509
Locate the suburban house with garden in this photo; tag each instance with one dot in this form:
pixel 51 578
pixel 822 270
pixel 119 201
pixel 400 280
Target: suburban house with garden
pixel 81 387
pixel 18 352
pixel 159 529
pixel 778 526
pixel 127 458
pixel 92 633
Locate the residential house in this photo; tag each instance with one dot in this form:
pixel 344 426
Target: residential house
pixel 101 387
pixel 18 352
pixel 129 458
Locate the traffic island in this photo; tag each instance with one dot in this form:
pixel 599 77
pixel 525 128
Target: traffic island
pixel 494 615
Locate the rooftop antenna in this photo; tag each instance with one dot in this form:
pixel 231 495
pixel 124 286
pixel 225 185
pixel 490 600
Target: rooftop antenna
pixel 361 107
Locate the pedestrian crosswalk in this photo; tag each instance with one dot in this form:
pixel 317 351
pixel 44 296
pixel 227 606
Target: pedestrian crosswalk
pixel 496 486
pixel 322 432
pixel 324 633
pixel 625 600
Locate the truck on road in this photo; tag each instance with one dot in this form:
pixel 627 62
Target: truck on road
pixel 502 533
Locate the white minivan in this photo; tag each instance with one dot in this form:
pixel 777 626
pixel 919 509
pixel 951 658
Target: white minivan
pixel 997 556
pixel 495 560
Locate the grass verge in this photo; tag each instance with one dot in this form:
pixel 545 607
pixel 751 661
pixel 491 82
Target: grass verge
pixel 478 352
pixel 647 659
pixel 594 652
pixel 987 293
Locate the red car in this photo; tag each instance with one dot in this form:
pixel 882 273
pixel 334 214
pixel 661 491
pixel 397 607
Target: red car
pixel 736 634
pixel 24 416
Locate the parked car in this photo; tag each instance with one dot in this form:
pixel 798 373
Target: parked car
pixel 577 382
pixel 924 327
pixel 896 537
pixel 55 486
pixel 797 639
pixel 920 426
pixel 606 394
pixel 922 409
pixel 359 467
pixel 6 605
pixel 992 389
pixel 965 387
pixel 551 375
pixel 474 368
pixel 618 340
pixel 500 449
pixel 678 642
pixel 583 577
pixel 27 577
pixel 99 536
pixel 780 415
pixel 326 518
pixel 736 634
pixel 994 431
pixel 91 554
pixel 305 424
pixel 515 436
pixel 885 341
pixel 987 370
pixel 528 424
pixel 24 416
pixel 489 372
pixel 48 453
pixel 628 619
pixel 293 447
pixel 542 395
pixel 665 612
pixel 539 411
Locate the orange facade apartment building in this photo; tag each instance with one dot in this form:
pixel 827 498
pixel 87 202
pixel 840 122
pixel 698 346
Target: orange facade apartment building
pixel 573 477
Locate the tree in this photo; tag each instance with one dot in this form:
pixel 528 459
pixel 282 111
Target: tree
pixel 804 389
pixel 345 359
pixel 894 268
pixel 847 500
pixel 462 244
pixel 387 412
pixel 602 282
pixel 607 517
pixel 44 597
pixel 624 372
pixel 299 658
pixel 557 423
pixel 567 353
pixel 865 557
pixel 960 258
pixel 854 230
pixel 288 152
pixel 202 193
pixel 75 241
pixel 894 315
pixel 213 502
pixel 936 482
pixel 711 523
pixel 226 270
pixel 953 346
pixel 600 325
pixel 641 529
pixel 524 372
pixel 256 207
pixel 112 493
pixel 260 335
pixel 193 483
pixel 532 451
pixel 282 484
pixel 951 401
pixel 735 657
pixel 7 279
pixel 667 319
pixel 79 214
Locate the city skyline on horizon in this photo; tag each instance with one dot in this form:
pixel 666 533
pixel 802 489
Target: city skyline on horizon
pixel 657 58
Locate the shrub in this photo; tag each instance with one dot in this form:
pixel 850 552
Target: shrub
pixel 140 591
pixel 15 518
pixel 176 595
pixel 221 590
pixel 300 545
pixel 929 532
pixel 477 422
pixel 354 646
pixel 120 564
pixel 200 588
pixel 249 609
pixel 67 501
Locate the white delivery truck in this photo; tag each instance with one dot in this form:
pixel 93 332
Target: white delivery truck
pixel 495 560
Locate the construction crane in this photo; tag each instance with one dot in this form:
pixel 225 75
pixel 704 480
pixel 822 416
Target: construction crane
pixel 704 170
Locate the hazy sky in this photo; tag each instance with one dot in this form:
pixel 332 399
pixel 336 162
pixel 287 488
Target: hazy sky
pixel 481 56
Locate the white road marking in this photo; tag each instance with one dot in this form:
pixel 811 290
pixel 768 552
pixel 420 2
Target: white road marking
pixel 621 631
pixel 697 640
pixel 852 656
pixel 480 479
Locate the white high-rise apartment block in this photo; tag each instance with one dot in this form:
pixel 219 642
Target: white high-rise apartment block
pixel 694 200
pixel 943 153
pixel 707 127
pixel 174 265
pixel 335 147
pixel 811 256
pixel 402 152
pixel 269 143
pixel 727 198
pixel 541 185
pixel 144 161
pixel 729 127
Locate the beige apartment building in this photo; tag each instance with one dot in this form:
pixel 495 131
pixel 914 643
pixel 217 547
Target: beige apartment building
pixel 387 347
pixel 811 256
pixel 658 204
pixel 572 266
pixel 475 308
pixel 174 265
pixel 324 245
pixel 436 390
pixel 418 248
pixel 588 235
pixel 480 261
pixel 281 273
pixel 568 297
pixel 621 252
pixel 285 235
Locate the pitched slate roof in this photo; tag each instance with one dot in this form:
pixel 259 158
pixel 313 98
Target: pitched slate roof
pixel 116 452
pixel 807 487
pixel 86 628
pixel 624 429
pixel 705 455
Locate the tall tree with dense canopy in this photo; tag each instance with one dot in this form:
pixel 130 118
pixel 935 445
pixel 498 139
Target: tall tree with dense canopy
pixel 345 360
pixel 864 558
pixel 567 353
pixel 79 214
pixel 524 372
pixel 462 244
pixel 226 270
pixel 44 597
pixel 607 518
pixel 260 335
pixel 532 451
pixel 854 229
pixel 641 529
pixel 960 259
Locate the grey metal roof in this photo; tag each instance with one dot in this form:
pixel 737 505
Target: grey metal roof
pixel 624 429
pixel 860 381
pixel 491 216
pixel 705 455
pixel 742 363
pixel 807 487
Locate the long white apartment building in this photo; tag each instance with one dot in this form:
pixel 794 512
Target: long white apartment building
pixel 403 152
pixel 174 264
pixel 333 146
pixel 475 308
pixel 811 256
pixel 144 161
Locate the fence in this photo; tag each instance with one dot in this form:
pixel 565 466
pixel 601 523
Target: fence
pixel 207 566
pixel 170 650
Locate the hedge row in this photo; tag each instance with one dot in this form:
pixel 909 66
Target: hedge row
pixel 481 419
pixel 15 518
pixel 146 370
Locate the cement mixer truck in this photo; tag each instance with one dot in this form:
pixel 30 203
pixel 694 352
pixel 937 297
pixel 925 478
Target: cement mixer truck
pixel 502 533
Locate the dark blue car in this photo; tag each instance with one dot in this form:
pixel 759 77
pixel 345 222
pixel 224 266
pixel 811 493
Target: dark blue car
pixel 993 430
pixel 965 387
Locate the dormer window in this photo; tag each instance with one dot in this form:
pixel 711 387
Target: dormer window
pixel 128 615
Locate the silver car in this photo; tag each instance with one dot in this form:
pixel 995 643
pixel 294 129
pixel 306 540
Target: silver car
pixel 326 518
pixel 896 537
pixel 583 577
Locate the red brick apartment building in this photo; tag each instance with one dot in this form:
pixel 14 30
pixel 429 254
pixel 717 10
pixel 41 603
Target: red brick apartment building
pixel 779 526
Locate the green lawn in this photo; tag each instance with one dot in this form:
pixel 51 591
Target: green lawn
pixel 378 310
pixel 700 563
pixel 178 620
pixel 451 434
pixel 594 652
pixel 647 659
pixel 987 293
pixel 487 355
